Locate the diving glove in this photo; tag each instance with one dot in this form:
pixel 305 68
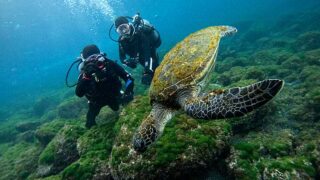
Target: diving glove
pixel 147 77
pixel 126 98
pixel 131 62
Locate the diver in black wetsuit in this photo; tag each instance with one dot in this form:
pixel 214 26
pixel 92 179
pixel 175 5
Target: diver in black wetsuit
pixel 99 82
pixel 139 40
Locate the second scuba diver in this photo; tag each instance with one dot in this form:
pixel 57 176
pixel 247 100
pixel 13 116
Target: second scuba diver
pixel 138 40
pixel 99 82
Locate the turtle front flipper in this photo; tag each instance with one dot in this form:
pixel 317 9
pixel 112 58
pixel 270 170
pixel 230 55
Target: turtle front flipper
pixel 233 102
pixel 151 127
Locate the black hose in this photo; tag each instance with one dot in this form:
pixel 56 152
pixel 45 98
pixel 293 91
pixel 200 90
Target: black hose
pixel 67 75
pixel 110 34
pixel 128 17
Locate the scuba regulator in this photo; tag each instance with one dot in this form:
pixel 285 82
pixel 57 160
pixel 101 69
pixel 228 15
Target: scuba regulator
pixel 92 67
pixel 136 23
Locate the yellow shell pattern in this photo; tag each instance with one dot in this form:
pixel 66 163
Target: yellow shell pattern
pixel 187 64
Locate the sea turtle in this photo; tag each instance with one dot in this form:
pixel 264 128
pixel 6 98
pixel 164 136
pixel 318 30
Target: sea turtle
pixel 178 81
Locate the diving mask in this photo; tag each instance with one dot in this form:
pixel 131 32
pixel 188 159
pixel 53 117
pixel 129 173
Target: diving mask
pixel 124 30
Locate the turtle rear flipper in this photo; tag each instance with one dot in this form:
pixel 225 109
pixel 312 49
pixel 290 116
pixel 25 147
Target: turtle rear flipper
pixel 233 102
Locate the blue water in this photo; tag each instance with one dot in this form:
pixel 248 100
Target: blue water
pixel 40 38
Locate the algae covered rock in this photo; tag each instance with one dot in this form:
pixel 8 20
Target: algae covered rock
pixel 308 144
pixel 72 108
pixel 27 136
pixel 308 41
pixel 25 126
pixel 106 116
pixel 61 151
pixel 47 131
pixel 18 161
pixel 94 148
pixel 43 104
pixel 269 156
pixel 187 145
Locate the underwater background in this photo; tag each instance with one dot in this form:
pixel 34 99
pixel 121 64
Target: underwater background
pixel 42 133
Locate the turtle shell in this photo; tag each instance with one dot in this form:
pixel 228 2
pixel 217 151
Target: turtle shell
pixel 187 64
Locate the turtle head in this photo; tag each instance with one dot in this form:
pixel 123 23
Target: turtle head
pixel 145 136
pixel 139 144
pixel 151 127
pixel 228 31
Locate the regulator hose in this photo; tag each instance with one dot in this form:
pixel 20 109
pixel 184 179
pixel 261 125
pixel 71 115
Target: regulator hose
pixel 67 75
pixel 128 17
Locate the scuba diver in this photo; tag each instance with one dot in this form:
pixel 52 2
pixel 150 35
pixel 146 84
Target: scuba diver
pixel 139 40
pixel 99 82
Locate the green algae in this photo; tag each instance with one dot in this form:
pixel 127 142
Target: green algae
pixel 61 151
pixel 72 108
pixel 262 155
pixel 46 132
pixel 194 141
pixel 19 160
pixel 94 148
pixel 269 152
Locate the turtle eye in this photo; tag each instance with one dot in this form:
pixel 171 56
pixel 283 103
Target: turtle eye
pixel 139 145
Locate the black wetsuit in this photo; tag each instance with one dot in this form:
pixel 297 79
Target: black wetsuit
pixel 105 92
pixel 141 45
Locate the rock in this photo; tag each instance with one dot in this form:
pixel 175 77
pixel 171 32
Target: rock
pixel 43 104
pixel 253 120
pixel 18 160
pixel 268 156
pixel 187 146
pixel 94 148
pixel 25 126
pixel 27 136
pixel 72 108
pixel 47 131
pixel 308 41
pixel 60 152
pixel 106 116
pixel 27 162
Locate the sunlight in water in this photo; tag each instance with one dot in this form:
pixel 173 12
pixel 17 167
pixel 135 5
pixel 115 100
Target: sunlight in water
pixel 87 6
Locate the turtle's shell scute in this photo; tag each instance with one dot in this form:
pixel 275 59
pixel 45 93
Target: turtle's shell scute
pixel 186 64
